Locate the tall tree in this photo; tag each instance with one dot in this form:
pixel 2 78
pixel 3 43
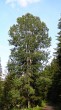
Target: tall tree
pixel 30 41
pixel 55 90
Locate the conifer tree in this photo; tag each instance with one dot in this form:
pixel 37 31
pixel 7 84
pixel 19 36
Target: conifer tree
pixel 57 79
pixel 55 90
pixel 30 42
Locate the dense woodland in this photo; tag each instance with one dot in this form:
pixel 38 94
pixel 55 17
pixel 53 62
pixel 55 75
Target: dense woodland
pixel 31 82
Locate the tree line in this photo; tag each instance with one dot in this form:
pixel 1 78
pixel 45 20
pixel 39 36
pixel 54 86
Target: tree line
pixel 30 81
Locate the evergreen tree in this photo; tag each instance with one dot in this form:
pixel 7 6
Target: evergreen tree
pixel 55 90
pixel 30 41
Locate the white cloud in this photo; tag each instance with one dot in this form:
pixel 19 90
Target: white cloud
pixel 22 3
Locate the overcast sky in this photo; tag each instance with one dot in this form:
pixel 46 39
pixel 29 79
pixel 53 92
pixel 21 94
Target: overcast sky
pixel 48 11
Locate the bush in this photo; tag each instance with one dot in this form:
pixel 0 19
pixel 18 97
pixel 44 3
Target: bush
pixel 43 104
pixel 34 108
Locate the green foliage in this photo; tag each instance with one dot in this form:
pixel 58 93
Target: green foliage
pixel 54 94
pixel 43 104
pixel 24 86
pixel 29 38
pixel 34 108
pixel 1 93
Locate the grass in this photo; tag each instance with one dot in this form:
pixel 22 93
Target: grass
pixel 43 104
pixel 34 108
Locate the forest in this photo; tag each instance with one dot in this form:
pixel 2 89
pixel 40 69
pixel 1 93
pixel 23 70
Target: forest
pixel 32 82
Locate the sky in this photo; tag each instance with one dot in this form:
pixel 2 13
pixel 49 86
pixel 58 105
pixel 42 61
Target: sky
pixel 47 10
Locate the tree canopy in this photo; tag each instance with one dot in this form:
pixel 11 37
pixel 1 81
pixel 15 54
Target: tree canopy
pixel 30 41
pixel 26 86
pixel 55 90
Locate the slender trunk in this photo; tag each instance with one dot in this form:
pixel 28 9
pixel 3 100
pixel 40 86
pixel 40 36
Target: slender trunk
pixel 29 104
pixel 28 74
